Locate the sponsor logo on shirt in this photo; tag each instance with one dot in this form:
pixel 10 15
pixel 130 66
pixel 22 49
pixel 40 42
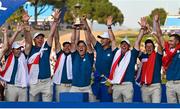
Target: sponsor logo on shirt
pixel 178 51
pixel 108 54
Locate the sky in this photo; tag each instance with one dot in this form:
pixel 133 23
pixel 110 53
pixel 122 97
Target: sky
pixel 133 10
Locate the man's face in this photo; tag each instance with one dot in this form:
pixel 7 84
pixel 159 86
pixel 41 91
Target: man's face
pixel 16 51
pixel 67 48
pixel 82 49
pixel 39 40
pixel 105 42
pixel 124 47
pixel 149 48
pixel 172 42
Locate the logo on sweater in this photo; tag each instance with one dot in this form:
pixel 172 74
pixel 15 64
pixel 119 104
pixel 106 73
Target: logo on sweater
pixel 108 54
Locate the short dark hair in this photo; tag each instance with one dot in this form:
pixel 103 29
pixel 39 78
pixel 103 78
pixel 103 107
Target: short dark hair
pixel 176 36
pixel 81 41
pixel 64 43
pixel 149 41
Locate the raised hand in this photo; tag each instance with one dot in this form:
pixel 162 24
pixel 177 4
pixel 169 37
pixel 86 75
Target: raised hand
pixel 25 17
pixel 20 27
pixel 4 31
pixel 56 15
pixel 84 17
pixel 143 22
pixel 144 25
pixel 109 20
pixel 156 18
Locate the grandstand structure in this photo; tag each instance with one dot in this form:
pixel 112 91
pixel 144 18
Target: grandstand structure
pixel 171 25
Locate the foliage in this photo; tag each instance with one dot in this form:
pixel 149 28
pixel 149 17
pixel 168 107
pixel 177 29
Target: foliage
pixel 162 14
pixel 97 10
pixel 15 17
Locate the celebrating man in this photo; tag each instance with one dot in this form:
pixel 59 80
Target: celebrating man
pixel 39 65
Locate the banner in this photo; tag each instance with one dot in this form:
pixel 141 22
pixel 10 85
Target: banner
pixel 8 7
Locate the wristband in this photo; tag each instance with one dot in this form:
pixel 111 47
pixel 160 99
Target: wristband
pixel 109 27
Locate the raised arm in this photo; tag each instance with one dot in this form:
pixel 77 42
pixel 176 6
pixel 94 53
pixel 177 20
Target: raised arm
pixel 53 27
pixel 77 35
pixel 57 41
pixel 142 32
pixel 27 34
pixel 18 30
pixel 92 38
pixel 88 42
pixel 159 37
pixel 5 43
pixel 111 34
pixel 73 38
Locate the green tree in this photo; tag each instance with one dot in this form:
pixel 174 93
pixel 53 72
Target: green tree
pixel 162 14
pixel 95 10
pixel 15 17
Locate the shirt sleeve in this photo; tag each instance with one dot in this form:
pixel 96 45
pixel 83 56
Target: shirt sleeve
pixel 135 53
pixel 115 50
pixel 91 56
pixel 47 46
pixel 97 46
pixel 73 54
pixel 159 55
pixel 31 52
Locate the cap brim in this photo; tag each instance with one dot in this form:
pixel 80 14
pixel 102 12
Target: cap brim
pixel 66 43
pixel 17 47
pixel 38 35
pixel 102 37
pixel 99 36
pixel 125 41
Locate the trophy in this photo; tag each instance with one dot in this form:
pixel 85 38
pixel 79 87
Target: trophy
pixel 76 17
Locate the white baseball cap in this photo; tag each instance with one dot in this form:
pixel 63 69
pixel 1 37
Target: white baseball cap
pixel 16 45
pixel 126 40
pixel 104 35
pixel 37 34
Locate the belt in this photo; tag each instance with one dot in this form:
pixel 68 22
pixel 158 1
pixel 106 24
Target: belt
pixel 175 82
pixel 155 84
pixel 66 85
pixel 44 80
pixel 124 83
pixel 13 85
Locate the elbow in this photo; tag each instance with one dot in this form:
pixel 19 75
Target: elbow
pixel 6 47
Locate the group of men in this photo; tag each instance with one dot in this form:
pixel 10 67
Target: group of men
pixel 114 71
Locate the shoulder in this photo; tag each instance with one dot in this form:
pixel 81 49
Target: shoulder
pixel 97 45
